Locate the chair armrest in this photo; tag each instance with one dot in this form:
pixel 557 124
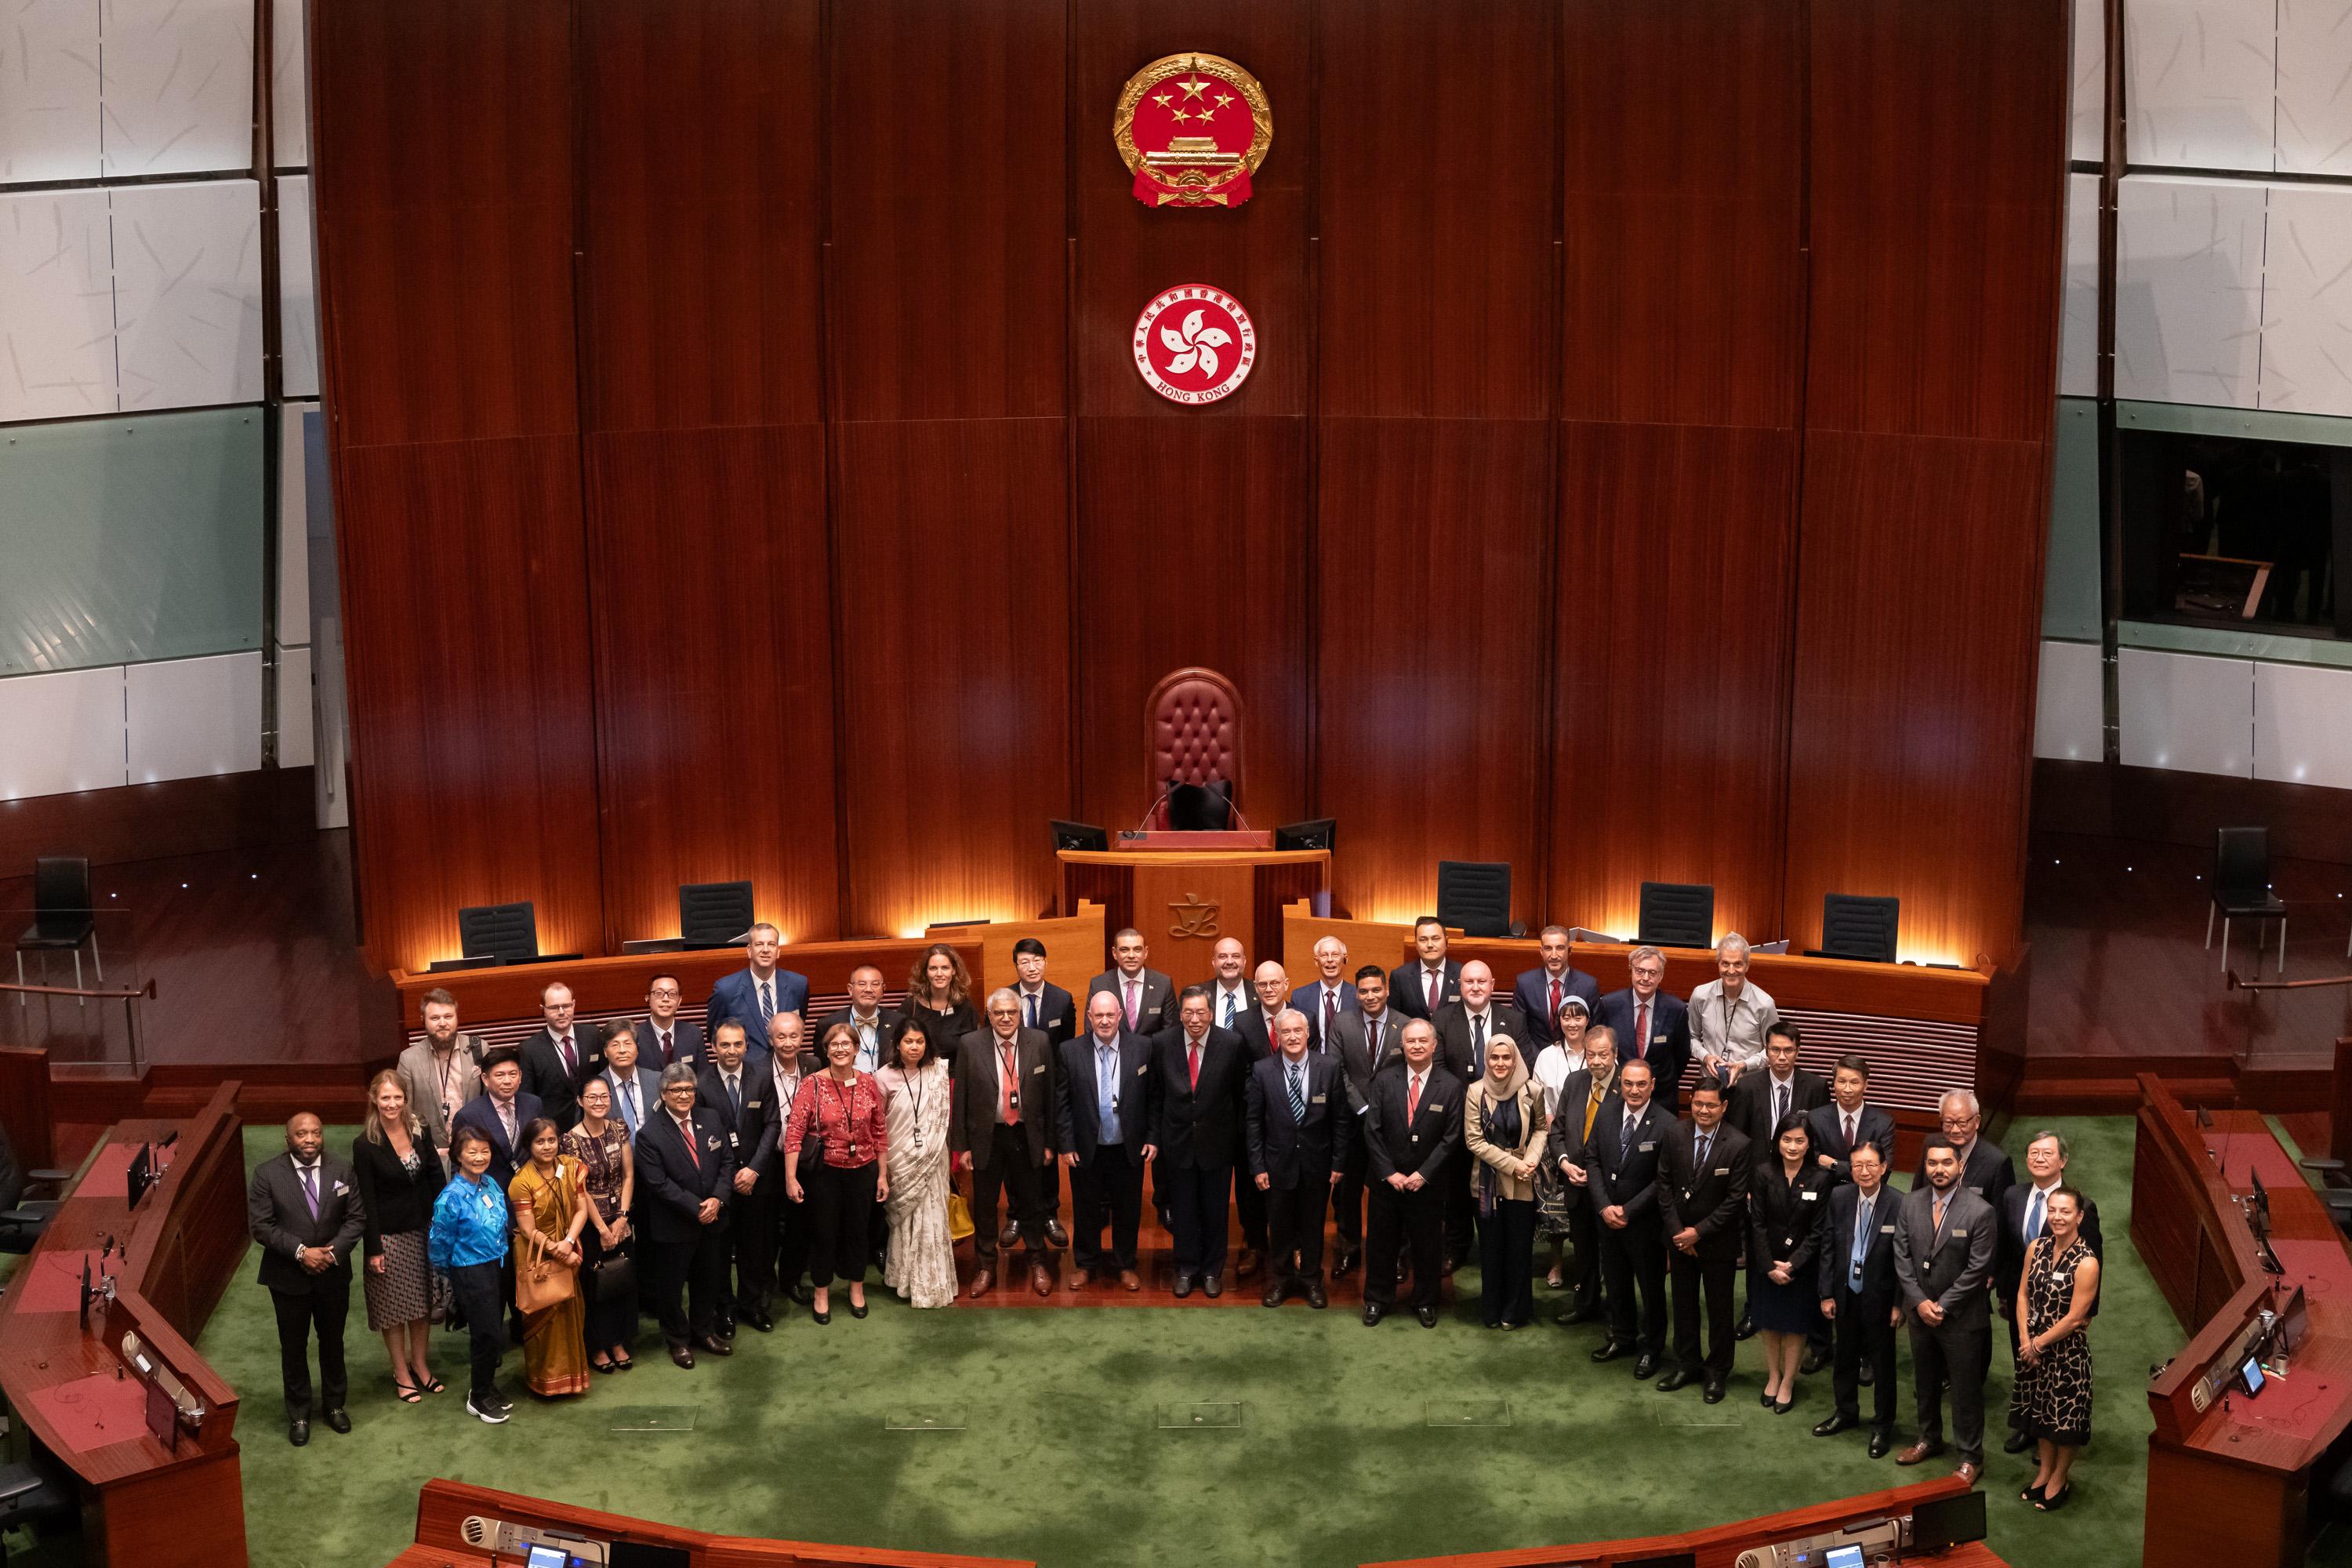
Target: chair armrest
pixel 48 1178
pixel 28 1218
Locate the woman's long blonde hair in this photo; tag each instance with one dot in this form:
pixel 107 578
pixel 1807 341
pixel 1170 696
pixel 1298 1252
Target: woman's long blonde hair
pixel 373 1132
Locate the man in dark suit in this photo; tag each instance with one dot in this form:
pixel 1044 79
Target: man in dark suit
pixel 1757 1103
pixel 685 1184
pixel 1331 993
pixel 1652 1024
pixel 1861 1295
pixel 637 1089
pixel 1541 991
pixel 1945 1239
pixel 1197 1136
pixel 1432 981
pixel 1147 998
pixel 1001 1129
pixel 1986 1168
pixel 502 1110
pixel 1270 984
pixel 1584 1100
pixel 877 1026
pixel 1413 1128
pixel 759 991
pixel 1849 1119
pixel 559 1059
pixel 1463 1028
pixel 1368 1040
pixel 1299 1128
pixel 1103 1118
pixel 1621 1182
pixel 1703 1201
pixel 303 1210
pixel 663 1036
pixel 741 1096
pixel 2024 1216
pixel 1044 1005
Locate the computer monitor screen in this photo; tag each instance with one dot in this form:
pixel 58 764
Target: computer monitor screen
pixel 2252 1373
pixel 1663 1560
pixel 643 1555
pixel 1078 836
pixel 1844 1557
pixel 1948 1521
pixel 543 1556
pixel 1318 833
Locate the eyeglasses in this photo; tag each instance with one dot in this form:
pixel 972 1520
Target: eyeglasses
pixel 663 992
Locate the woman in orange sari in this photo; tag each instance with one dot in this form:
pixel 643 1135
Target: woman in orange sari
pixel 549 1200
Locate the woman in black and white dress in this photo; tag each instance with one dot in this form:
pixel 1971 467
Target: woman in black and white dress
pixel 2052 1398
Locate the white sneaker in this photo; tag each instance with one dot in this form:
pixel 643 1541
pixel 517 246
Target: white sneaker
pixel 494 1414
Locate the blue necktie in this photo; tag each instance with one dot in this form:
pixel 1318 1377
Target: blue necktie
pixel 1297 1096
pixel 1861 1241
pixel 1229 1009
pixel 2033 1215
pixel 1107 1093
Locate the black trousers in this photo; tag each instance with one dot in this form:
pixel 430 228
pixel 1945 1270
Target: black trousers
pixel 1249 1207
pixel 793 1236
pixel 1010 1169
pixel 1863 1331
pixel 1712 1274
pixel 613 1322
pixel 323 1308
pixel 1395 1221
pixel 476 1287
pixel 1507 1261
pixel 1294 1223
pixel 690 1280
pixel 1959 1357
pixel 1348 1202
pixel 841 1215
pixel 1197 1196
pixel 1461 1209
pixel 1106 1190
pixel 1583 1270
pixel 751 1229
pixel 1634 1260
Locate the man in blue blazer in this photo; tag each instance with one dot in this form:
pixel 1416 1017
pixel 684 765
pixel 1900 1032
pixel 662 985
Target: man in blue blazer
pixel 758 993
pixel 1331 993
pixel 1299 1125
pixel 1652 1024
pixel 1102 1097
pixel 1541 991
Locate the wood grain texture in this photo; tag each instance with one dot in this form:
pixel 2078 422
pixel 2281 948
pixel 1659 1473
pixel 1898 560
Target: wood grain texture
pixel 949 287
pixel 955 667
pixel 1432 698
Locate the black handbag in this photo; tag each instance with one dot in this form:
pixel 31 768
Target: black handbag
pixel 616 1279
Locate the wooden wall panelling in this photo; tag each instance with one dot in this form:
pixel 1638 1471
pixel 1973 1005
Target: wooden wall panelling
pixel 1937 151
pixel 1437 181
pixel 701 392
pixel 444 240
pixel 1683 324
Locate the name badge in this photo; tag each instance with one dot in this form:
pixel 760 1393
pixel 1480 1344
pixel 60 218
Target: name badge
pixel 1038 1068
pixel 1434 1105
pixel 733 1142
pixel 1311 1099
pixel 1886 1230
pixel 1961 1230
pixel 340 1189
pixel 1647 1147
pixel 1658 1039
pixel 1141 1070
pixel 1807 1197
pixel 751 1105
pixel 1726 1170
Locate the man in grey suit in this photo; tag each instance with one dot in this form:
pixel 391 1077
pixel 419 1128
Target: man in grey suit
pixel 1367 1040
pixel 1001 1130
pixel 303 1210
pixel 1945 1239
pixel 1146 998
pixel 441 1071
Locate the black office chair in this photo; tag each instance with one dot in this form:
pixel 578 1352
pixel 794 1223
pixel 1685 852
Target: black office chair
pixel 1860 928
pixel 714 914
pixel 508 933
pixel 64 917
pixel 1677 914
pixel 2242 890
pixel 1475 897
pixel 1201 807
pixel 34 1494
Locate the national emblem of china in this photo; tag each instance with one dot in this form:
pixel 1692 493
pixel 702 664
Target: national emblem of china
pixel 1192 130
pixel 1194 344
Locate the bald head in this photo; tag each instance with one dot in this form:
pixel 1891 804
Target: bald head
pixel 305 1136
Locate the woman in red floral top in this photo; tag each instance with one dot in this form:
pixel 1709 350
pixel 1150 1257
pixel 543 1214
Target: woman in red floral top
pixel 845 1109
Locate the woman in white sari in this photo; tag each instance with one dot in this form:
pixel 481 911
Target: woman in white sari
pixel 920 1264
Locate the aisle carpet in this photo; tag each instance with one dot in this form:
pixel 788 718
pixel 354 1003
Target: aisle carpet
pixel 1062 1457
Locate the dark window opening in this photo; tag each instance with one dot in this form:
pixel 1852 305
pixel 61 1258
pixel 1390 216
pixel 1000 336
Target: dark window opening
pixel 2237 534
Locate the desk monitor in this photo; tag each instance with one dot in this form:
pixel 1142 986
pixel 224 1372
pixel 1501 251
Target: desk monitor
pixel 140 1175
pixel 1847 1556
pixel 1944 1523
pixel 1320 833
pixel 1078 835
pixel 2252 1375
pixel 1663 1560
pixel 641 1555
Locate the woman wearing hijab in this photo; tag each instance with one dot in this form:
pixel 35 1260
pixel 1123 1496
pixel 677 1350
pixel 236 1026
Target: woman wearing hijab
pixel 1503 1124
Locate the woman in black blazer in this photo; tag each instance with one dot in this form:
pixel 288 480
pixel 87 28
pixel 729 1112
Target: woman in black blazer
pixel 398 1176
pixel 1786 1200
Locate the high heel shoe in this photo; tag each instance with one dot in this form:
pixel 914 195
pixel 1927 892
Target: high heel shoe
pixel 2052 1502
pixel 822 1314
pixel 857 1309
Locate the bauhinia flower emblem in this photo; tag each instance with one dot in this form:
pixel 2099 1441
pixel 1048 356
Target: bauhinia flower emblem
pixel 1195 344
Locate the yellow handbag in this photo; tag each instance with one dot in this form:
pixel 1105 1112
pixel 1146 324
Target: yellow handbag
pixel 959 1216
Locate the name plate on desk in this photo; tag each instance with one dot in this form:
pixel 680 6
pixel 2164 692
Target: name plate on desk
pixel 1148 840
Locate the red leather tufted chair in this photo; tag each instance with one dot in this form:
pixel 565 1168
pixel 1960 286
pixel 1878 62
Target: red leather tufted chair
pixel 1193 728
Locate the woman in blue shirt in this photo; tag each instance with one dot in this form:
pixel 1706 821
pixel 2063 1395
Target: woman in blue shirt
pixel 469 1241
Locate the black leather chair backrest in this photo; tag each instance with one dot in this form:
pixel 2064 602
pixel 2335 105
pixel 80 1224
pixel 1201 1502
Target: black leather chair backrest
pixel 508 933
pixel 2242 865
pixel 1854 926
pixel 62 900
pixel 1201 807
pixel 713 914
pixel 1677 914
pixel 1474 896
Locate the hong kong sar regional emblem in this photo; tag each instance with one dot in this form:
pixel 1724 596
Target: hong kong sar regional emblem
pixel 1192 130
pixel 1194 344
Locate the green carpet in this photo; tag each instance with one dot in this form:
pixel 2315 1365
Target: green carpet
pixel 1064 1459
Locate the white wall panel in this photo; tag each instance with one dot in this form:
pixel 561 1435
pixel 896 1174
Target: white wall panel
pixel 187 261
pixel 2069 712
pixel 2315 86
pixel 2303 724
pixel 294 716
pixel 293 526
pixel 64 732
pixel 178 87
pixel 48 92
pixel 289 111
pixel 2188 284
pixel 2307 298
pixel 2199 78
pixel 190 718
pixel 2087 138
pixel 57 306
pixel 297 288
pixel 2078 344
pixel 2185 712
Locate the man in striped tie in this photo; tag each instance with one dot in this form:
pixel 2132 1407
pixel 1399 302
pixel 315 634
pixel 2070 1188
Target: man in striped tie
pixel 1299 1126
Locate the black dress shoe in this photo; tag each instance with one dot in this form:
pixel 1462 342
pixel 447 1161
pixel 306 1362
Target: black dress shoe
pixel 2017 1442
pixel 1815 1360
pixel 1273 1296
pixel 1712 1391
pixel 1183 1286
pixel 1315 1297
pixel 1834 1426
pixel 1054 1235
pixel 1213 1286
pixel 1745 1330
pixel 1374 1313
pixel 725 1327
pixel 714 1345
pixel 857 1309
pixel 821 1317
pixel 338 1419
pixel 1868 1375
pixel 804 1294
pixel 1611 1349
pixel 1879 1443
pixel 1348 1258
pixel 1645 1368
pixel 758 1317
pixel 1576 1315
pixel 299 1434
pixel 1676 1380
pixel 1009 1235
pixel 683 1355
pixel 1428 1316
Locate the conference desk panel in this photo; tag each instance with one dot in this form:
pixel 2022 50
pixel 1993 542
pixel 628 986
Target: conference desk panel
pixel 1185 901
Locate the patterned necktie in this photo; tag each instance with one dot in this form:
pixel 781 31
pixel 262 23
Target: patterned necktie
pixel 1478 1040
pixel 1641 1031
pixel 1706 1145
pixel 1008 1074
pixel 1780 1102
pixel 669 1050
pixel 310 1188
pixel 1134 1006
pixel 1555 1006
pixel 1331 1011
pixel 767 1004
pixel 1232 998
pixel 686 1131
pixel 1297 1095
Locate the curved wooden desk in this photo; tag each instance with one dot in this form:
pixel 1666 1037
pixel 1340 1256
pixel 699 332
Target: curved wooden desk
pixel 180 1506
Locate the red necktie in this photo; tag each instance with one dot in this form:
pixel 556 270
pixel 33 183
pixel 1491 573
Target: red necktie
pixel 1411 1099
pixel 686 1131
pixel 1435 980
pixel 1641 1030
pixel 1331 1011
pixel 1008 1073
pixel 571 1063
pixel 1193 1051
pixel 1134 1005
pixel 1555 1006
